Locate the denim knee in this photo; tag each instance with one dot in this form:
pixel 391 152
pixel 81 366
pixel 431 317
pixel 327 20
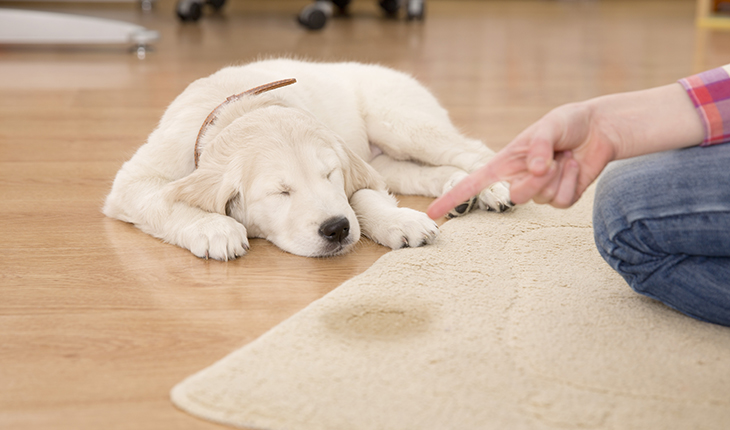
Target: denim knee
pixel 621 242
pixel 669 251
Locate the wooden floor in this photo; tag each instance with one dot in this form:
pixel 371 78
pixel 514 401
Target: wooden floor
pixel 98 320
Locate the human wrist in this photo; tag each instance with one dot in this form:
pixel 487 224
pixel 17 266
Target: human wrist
pixel 647 121
pixel 611 133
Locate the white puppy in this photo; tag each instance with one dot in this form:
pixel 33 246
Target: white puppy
pixel 307 166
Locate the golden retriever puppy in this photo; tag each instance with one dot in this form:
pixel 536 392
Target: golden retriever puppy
pixel 308 166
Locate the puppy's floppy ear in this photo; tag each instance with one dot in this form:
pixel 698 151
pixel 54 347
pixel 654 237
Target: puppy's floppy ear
pixel 358 174
pixel 206 188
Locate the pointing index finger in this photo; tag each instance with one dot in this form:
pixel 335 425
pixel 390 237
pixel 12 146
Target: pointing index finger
pixel 464 190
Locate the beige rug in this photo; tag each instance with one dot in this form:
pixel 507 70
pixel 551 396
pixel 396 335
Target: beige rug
pixel 508 322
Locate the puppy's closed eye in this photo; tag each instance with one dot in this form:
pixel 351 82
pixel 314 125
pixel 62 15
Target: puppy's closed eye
pixel 281 191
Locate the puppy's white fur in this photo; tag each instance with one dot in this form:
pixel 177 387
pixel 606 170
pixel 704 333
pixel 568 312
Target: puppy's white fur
pixel 283 165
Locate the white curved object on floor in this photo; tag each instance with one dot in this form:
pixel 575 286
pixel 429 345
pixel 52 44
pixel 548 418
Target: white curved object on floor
pixel 37 27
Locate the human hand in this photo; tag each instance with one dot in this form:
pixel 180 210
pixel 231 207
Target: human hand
pixel 553 161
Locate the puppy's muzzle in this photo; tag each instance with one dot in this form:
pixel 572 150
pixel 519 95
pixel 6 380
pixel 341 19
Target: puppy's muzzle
pixel 335 230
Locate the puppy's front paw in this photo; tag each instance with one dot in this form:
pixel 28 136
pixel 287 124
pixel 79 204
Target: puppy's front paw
pixel 406 228
pixel 218 237
pixel 495 198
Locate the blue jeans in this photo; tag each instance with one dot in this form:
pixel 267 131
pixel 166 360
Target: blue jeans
pixel 663 222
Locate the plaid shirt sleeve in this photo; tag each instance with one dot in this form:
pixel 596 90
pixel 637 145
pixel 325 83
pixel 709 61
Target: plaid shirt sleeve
pixel 710 93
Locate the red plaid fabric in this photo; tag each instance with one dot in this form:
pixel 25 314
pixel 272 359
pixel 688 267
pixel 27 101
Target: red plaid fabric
pixel 710 93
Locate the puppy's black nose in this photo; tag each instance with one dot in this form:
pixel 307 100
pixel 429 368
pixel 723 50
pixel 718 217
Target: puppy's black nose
pixel 335 229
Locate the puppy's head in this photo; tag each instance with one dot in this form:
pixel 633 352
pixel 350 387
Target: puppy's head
pixel 285 177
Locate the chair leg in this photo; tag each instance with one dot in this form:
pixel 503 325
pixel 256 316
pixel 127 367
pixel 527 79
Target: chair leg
pixel 415 9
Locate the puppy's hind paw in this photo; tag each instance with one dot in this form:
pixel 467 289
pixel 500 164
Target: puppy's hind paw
pixel 495 198
pixel 462 209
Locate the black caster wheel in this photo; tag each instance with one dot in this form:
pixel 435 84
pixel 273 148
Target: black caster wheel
pixel 341 6
pixel 189 10
pixel 390 7
pixel 315 16
pixel 192 10
pixel 415 10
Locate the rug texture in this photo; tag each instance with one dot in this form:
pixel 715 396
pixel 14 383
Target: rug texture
pixel 510 321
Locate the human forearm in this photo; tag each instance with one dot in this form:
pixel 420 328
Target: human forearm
pixel 647 121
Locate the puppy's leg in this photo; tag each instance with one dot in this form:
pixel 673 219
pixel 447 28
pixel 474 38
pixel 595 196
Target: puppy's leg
pixel 412 178
pixel 431 140
pixel 205 234
pixel 385 223
pixel 144 202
